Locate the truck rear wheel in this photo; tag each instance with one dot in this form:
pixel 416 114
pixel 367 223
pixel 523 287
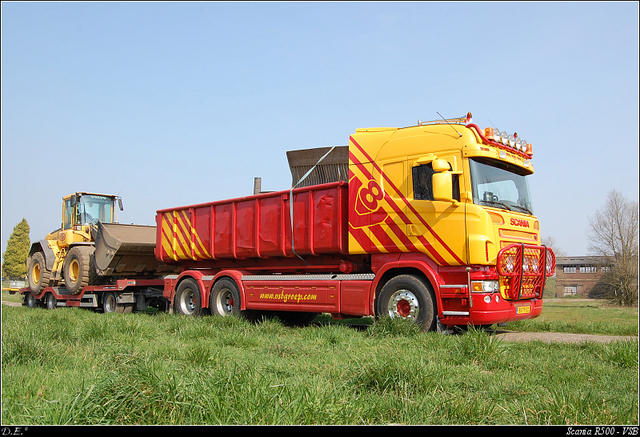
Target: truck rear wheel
pixel 79 268
pixel 408 297
pixel 225 298
pixel 188 300
pixel 38 274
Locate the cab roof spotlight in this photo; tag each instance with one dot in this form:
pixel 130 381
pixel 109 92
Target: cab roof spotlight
pixel 504 137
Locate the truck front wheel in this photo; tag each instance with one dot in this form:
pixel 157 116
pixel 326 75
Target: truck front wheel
pixel 408 297
pixel 188 298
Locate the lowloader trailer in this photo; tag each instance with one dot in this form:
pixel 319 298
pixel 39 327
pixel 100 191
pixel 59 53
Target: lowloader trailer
pixel 122 274
pixel 432 223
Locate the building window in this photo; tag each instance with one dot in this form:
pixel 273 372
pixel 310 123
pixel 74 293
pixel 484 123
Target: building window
pixel 571 290
pixel 588 269
pixel 569 269
pixel 605 269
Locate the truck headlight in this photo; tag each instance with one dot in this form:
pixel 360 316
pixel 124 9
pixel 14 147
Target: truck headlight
pixel 485 286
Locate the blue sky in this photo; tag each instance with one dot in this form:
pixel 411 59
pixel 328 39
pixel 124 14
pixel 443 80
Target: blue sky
pixel 169 104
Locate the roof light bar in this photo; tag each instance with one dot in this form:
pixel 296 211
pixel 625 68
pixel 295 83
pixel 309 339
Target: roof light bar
pixel 491 135
pixel 511 141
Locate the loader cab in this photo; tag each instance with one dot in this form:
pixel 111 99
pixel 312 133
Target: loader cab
pixel 84 209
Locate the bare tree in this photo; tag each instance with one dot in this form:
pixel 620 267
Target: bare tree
pixel 549 241
pixel 614 235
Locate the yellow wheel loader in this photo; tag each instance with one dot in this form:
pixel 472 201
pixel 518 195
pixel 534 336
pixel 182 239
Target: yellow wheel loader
pixel 67 254
pixel 91 248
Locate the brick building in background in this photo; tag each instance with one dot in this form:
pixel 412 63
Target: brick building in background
pixel 580 276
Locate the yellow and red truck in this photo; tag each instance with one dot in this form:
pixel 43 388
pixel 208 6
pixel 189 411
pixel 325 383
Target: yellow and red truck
pixel 432 223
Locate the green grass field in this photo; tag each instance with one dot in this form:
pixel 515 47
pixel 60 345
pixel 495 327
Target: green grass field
pixel 72 366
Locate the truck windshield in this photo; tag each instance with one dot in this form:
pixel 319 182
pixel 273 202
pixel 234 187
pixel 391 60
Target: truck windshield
pixel 92 208
pixel 500 185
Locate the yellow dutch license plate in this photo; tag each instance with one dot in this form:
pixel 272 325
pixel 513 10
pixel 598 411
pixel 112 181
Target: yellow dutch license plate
pixel 524 309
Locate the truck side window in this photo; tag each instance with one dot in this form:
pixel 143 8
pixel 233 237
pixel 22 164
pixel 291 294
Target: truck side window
pixel 423 183
pixel 455 187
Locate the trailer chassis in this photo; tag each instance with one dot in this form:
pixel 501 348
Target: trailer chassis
pixel 125 296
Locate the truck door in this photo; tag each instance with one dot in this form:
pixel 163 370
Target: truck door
pixel 436 228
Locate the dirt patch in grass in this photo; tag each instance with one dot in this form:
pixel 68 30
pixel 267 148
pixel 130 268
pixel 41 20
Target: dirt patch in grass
pixel 551 337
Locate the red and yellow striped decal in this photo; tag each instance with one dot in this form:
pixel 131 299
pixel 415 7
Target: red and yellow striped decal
pixel 377 222
pixel 180 241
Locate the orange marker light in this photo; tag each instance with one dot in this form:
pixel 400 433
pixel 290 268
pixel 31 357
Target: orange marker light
pixel 488 132
pixel 529 150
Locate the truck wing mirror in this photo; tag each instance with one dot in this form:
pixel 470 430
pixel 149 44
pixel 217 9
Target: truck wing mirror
pixel 442 181
pixel 440 165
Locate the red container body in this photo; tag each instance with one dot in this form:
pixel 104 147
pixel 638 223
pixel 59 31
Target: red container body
pixel 257 226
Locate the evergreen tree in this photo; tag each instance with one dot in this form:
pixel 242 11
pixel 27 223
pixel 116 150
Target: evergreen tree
pixel 14 264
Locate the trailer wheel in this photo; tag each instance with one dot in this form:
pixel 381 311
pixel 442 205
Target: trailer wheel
pixel 408 297
pixel 30 300
pixel 188 298
pixel 109 303
pixel 50 301
pixel 225 298
pixel 38 274
pixel 79 268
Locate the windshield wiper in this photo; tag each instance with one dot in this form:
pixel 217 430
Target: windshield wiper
pixel 495 202
pixel 524 208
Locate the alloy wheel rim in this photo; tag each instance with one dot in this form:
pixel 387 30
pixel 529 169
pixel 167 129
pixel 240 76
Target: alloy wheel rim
pixel 404 304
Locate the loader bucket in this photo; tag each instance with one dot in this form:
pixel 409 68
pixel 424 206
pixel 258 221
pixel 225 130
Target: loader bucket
pixel 128 250
pixel 333 168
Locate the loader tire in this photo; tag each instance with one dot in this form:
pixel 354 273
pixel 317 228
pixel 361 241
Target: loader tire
pixel 79 269
pixel 38 274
